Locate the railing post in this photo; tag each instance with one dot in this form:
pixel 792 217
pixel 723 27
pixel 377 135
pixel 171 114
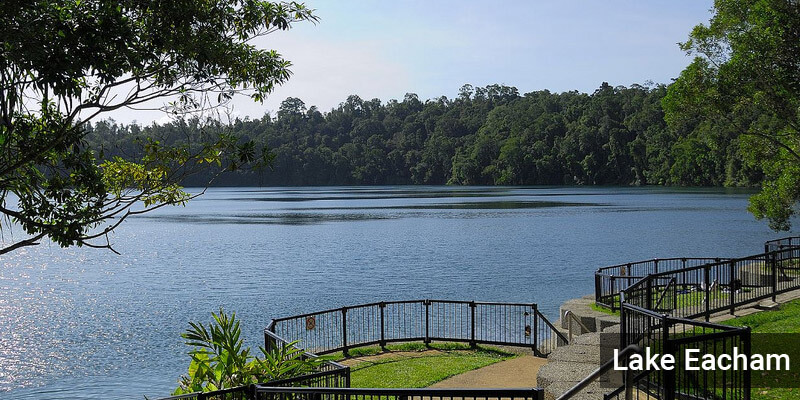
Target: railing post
pixel 655 266
pixel 730 288
pixel 774 263
pixel 269 342
pixel 596 288
pixel 472 342
pixel 707 279
pixel 613 281
pixel 649 300
pixel 251 392
pixel 668 374
pixel 344 331
pixel 427 321
pixel 623 325
pixel 382 306
pixel 748 351
pixel 628 382
pixel 535 332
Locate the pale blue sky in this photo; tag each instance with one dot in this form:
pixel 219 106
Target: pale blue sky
pixel 384 49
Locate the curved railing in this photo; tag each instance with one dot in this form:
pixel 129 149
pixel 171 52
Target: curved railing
pixel 609 281
pixel 473 322
pixel 658 299
pixel 782 243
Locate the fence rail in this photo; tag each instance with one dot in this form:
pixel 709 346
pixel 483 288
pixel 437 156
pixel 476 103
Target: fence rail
pixel 658 300
pixel 610 281
pixel 666 334
pixel 279 393
pixel 473 322
pixel 703 290
pixel 780 244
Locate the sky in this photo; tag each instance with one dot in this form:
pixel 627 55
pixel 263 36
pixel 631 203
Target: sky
pixel 385 49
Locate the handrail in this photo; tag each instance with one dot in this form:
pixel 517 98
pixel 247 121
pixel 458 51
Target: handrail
pixel 664 292
pixel 626 353
pixel 602 270
pixel 473 322
pixel 570 316
pixel 534 393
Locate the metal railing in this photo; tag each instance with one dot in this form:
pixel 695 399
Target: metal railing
pixel 658 298
pixel 280 393
pixel 609 281
pixel 570 318
pixel 270 392
pixel 629 380
pixel 703 290
pixel 664 334
pixel 782 243
pixel 473 322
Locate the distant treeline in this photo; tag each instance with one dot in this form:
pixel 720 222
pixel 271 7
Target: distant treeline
pixel 485 136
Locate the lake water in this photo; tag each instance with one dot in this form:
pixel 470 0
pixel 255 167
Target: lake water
pixel 83 323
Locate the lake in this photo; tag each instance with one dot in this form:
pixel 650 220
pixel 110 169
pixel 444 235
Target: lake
pixel 83 323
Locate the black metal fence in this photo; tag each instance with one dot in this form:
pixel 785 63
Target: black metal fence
pixel 271 392
pixel 278 393
pixel 780 244
pixel 609 281
pixel 722 286
pixel 511 324
pixel 664 334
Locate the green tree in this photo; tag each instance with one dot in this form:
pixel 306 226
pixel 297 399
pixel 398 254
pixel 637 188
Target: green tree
pixel 747 74
pixel 65 62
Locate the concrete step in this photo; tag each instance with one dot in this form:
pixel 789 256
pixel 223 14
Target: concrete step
pixel 594 391
pixel 563 371
pixel 593 320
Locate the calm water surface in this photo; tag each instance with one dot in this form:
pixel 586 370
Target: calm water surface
pixel 82 323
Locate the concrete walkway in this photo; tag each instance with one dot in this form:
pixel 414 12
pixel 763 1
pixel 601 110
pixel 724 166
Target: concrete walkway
pixel 566 365
pixel 519 372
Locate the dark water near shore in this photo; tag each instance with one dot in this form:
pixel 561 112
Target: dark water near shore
pixel 82 323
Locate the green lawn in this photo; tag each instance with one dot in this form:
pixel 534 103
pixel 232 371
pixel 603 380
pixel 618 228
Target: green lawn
pixel 682 300
pixel 785 320
pixel 415 371
pixel 603 309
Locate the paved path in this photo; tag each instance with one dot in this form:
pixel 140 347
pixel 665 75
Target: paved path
pixel 519 372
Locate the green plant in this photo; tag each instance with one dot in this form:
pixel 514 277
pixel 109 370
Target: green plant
pixel 220 361
pixel 284 362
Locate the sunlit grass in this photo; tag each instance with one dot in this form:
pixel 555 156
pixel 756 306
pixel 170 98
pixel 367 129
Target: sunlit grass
pixel 418 370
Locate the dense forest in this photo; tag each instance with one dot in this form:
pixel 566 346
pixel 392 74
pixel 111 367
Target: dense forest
pixel 486 136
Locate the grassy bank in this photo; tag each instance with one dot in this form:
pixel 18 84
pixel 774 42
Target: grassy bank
pixel 779 324
pixel 415 365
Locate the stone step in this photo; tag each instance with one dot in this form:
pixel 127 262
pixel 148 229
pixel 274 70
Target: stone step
pixel 581 308
pixel 594 391
pixel 563 371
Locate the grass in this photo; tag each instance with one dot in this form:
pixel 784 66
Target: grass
pixel 682 300
pixel 416 370
pixel 602 309
pixel 785 320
